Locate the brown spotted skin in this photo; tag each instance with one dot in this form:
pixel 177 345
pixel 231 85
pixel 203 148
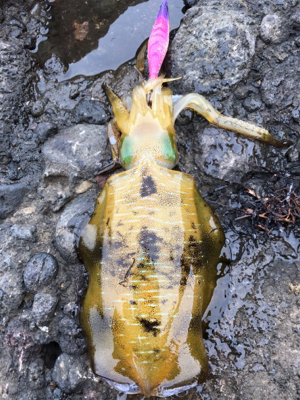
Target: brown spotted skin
pixel 151 249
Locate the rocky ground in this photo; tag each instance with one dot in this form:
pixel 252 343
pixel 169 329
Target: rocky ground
pixel 244 57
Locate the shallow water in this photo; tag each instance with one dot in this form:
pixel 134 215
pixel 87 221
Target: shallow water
pixel 94 36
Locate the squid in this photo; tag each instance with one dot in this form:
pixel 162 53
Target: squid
pixel 152 245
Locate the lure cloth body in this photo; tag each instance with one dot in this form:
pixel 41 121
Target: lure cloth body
pixel 158 41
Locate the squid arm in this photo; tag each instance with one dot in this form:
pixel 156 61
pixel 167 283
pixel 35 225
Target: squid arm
pixel 204 107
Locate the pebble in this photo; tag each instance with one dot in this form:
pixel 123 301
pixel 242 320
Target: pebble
pixel 70 223
pixel 43 307
pixel 11 196
pixel 18 23
pixel 295 18
pixel 71 340
pixel 54 66
pixel 29 43
pixel 293 155
pixel 22 339
pixel 273 29
pixel 40 270
pixel 23 232
pixel 45 130
pixel 37 108
pixel 76 151
pixel 90 111
pixel 251 104
pixel 68 373
pixel 36 373
pixel 12 287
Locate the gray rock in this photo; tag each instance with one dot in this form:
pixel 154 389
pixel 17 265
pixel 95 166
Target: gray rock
pixel 32 395
pixel 43 307
pixel 281 86
pixel 212 49
pixel 295 18
pixel 16 22
pixel 14 64
pixel 22 340
pixel 68 373
pixel 36 374
pixel 45 130
pixel 12 287
pixel 40 271
pixel 251 104
pixel 190 3
pixel 91 112
pixel 273 29
pixel 74 154
pixel 37 108
pixel 69 223
pixel 71 340
pixel 11 196
pixel 54 66
pixel 77 150
pixel 29 43
pixel 229 161
pixel 24 232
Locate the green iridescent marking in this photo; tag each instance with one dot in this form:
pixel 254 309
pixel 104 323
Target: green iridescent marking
pixel 169 147
pixel 126 151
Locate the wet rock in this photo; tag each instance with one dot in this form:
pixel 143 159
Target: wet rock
pixel 12 287
pixel 213 48
pixel 43 307
pixel 11 196
pixel 293 155
pixel 71 309
pixel 16 22
pixel 40 271
pixel 190 3
pixel 68 373
pixel 31 395
pixel 13 67
pixel 37 108
pixel 74 154
pixel 91 112
pixel 252 104
pixel 24 232
pixel 77 150
pixel 36 374
pixel 29 43
pixel 241 92
pixel 71 340
pixel 229 161
pixel 70 222
pixel 16 33
pixel 54 66
pixel 295 18
pixel 273 29
pixel 281 87
pixel 45 130
pixel 22 340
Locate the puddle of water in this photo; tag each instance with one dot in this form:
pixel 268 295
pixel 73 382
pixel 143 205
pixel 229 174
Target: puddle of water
pixel 94 36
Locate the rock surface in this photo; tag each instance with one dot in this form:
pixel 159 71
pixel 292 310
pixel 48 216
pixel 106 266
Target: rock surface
pixel 213 50
pixel 244 57
pixel 40 270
